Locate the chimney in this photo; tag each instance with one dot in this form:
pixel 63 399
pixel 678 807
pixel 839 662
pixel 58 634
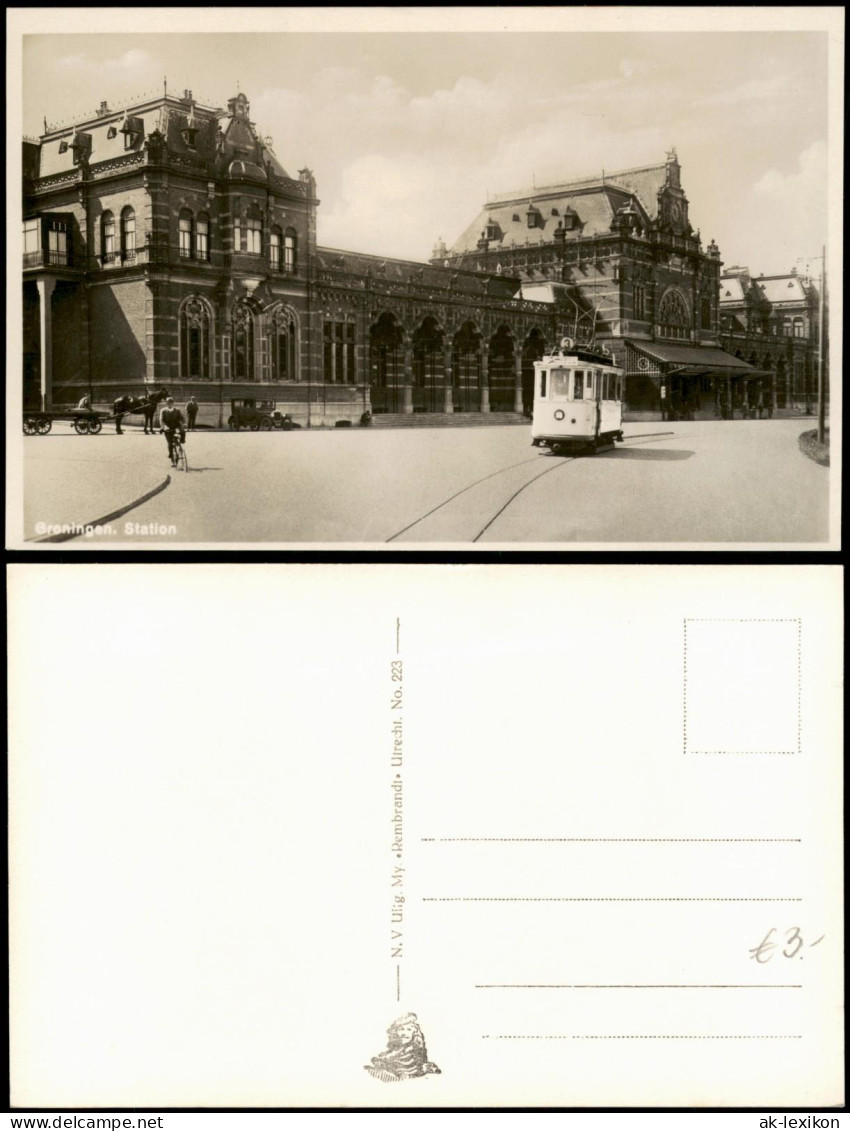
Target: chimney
pixel 104 109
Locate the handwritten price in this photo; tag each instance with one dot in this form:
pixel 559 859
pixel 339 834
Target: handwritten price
pixel 794 943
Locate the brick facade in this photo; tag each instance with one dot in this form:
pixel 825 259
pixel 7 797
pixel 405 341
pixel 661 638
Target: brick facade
pixel 166 246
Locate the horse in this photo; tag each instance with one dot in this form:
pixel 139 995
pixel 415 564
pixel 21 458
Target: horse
pixel 125 405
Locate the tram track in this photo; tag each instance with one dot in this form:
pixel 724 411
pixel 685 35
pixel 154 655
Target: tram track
pixel 457 494
pixel 651 437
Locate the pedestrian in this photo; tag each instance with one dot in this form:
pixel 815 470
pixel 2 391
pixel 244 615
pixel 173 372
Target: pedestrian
pixel 171 425
pixel 191 413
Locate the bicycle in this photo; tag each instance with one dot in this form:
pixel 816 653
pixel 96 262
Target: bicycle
pixel 177 452
pixel 179 455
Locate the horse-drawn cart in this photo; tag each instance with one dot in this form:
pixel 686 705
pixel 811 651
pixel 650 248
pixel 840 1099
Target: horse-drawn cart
pixel 40 423
pixel 88 422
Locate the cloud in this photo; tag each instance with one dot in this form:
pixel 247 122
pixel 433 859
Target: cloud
pixel 753 90
pixel 387 203
pixel 631 67
pixel 798 187
pixel 397 167
pixel 134 59
pixel 784 215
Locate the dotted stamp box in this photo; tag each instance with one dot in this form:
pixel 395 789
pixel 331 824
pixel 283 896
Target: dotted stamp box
pixel 742 692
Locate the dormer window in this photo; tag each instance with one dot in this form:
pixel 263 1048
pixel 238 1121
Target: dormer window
pixel 570 219
pixel 81 147
pixel 112 132
pixel 63 147
pixel 492 231
pixel 133 130
pixel 515 217
pixel 555 212
pixel 533 217
pixel 189 132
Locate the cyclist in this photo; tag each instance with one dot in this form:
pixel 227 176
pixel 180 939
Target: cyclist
pixel 171 423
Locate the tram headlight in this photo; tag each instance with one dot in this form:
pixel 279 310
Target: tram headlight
pixel 559 414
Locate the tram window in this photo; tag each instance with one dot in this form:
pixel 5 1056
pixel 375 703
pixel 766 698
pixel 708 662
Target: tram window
pixel 543 384
pixel 589 384
pixel 559 389
pixel 578 384
pixel 610 387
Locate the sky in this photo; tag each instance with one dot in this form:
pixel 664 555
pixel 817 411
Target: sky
pixel 407 133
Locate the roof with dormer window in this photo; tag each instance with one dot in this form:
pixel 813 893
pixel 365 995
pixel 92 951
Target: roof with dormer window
pixel 594 200
pixel 782 288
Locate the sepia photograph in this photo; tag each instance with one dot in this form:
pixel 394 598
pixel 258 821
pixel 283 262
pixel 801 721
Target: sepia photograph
pixel 489 278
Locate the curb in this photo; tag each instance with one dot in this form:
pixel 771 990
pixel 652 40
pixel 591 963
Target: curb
pixel 107 517
pixel 811 449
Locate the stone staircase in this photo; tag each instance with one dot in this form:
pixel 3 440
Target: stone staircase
pixel 446 419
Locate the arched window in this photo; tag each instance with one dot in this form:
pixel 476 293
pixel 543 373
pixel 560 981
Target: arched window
pixel 202 237
pixel 107 222
pixel 788 328
pixel 128 235
pixel 194 340
pixel 673 315
pixel 284 346
pixel 706 314
pixel 243 344
pixel 798 328
pixel 185 234
pixel 274 250
pixel 289 250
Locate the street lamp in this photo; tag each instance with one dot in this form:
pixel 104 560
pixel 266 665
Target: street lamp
pixel 821 381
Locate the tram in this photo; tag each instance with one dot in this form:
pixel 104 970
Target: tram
pixel 578 400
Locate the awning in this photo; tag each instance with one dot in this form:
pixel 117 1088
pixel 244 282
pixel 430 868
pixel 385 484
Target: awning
pixel 695 360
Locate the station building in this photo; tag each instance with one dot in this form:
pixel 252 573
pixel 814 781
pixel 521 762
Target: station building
pixel 773 322
pixel 165 245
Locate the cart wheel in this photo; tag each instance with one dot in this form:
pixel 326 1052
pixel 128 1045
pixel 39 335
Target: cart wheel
pixel 265 424
pixel 233 424
pixel 44 424
pixel 81 426
pixel 30 428
pixel 95 426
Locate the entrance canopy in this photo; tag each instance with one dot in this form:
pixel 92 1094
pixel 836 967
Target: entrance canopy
pixel 696 361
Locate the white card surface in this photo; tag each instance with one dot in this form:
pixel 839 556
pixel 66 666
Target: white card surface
pixel 426 836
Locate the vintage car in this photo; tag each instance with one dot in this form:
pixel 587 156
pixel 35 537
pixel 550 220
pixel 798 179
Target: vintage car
pixel 246 416
pixel 284 421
